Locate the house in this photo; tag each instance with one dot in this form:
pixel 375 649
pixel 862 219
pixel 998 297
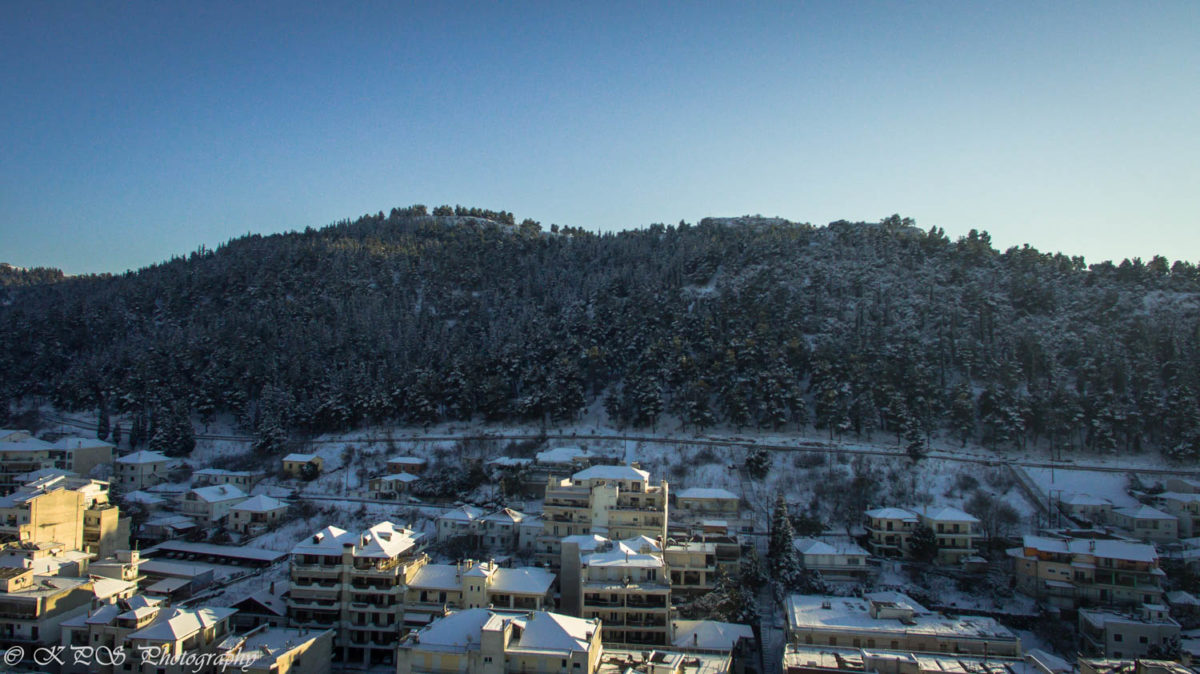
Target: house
pixel 1146 524
pixel 256 514
pixel 470 584
pixel 81 455
pixel 501 530
pixel 140 470
pixel 107 626
pixel 1087 508
pixel 615 502
pixel 481 641
pixel 893 621
pixel 279 650
pixel 390 486
pixel 265 607
pixel 180 632
pixel 1147 631
pixel 294 464
pixel 889 530
pixel 458 523
pixel 166 527
pixel 413 465
pixel 834 559
pixel 707 501
pixel 210 505
pixel 1183 485
pixel 1185 507
pixel 1067 572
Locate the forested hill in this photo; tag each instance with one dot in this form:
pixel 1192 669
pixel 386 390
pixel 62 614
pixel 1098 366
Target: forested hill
pixel 855 328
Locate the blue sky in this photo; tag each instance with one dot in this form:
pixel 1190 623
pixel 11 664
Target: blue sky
pixel 133 131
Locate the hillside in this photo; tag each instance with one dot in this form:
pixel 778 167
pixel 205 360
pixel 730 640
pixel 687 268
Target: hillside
pixel 852 328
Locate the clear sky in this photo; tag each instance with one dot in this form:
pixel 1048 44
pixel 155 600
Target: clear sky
pixel 132 131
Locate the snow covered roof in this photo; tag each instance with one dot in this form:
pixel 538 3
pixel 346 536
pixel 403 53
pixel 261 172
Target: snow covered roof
pixel 465 513
pixel 25 445
pixel 1048 662
pixel 218 493
pixel 70 444
pixel 586 542
pixel 706 493
pixel 892 514
pixel 221 472
pixel 1107 549
pixel 143 497
pixel 819 612
pixel 260 504
pixel 407 460
pixel 103 588
pixel 437 577
pixel 814 546
pixel 399 477
pixel 327 541
pixel 458 630
pixel 509 461
pixel 710 634
pixel 949 514
pixel 1181 598
pixel 1180 497
pixel 302 458
pixel 525 580
pixel 560 455
pixel 505 515
pixel 386 540
pixel 1086 500
pixel 143 456
pixel 1144 512
pixel 545 631
pixel 182 623
pixel 628 553
pixel 171 521
pixel 612 473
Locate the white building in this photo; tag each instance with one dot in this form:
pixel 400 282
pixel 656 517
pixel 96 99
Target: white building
pixel 141 469
pixel 210 505
pixel 256 514
pixel 834 559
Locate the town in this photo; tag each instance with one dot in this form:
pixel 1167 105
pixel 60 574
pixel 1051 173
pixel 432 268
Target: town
pixel 548 556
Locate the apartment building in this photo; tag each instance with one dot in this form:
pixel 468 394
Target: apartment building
pixel 891 529
pixel 481 641
pixel 501 530
pixel 1147 631
pixel 33 607
pixel 626 584
pixel 1146 524
pixel 354 584
pixel 691 567
pixel 1067 571
pixel 893 621
pixel 459 523
pixel 615 502
pixel 175 633
pixel 44 511
pixel 22 454
pixel 140 470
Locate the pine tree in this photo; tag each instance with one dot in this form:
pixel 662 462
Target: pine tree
pixel 922 544
pixel 758 463
pixel 116 434
pixel 102 430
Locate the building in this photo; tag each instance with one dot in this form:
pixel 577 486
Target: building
pixel 732 640
pixel 45 511
pixel 81 455
pixel 19 455
pixel 662 661
pixel 33 607
pixel 434 588
pixel 107 626
pixel 176 632
pixel 1148 631
pixel 243 479
pixel 413 465
pixel 210 505
pixel 1086 508
pixel 390 486
pixel 265 607
pixel 1066 572
pixel 45 558
pixel 800 659
pixel 141 470
pixel 615 502
pixel 279 650
pixel 692 568
pixel 834 559
pixel 893 621
pixel 626 584
pixel 891 529
pixel 1185 507
pixel 480 641
pixel 294 464
pixel 501 530
pixel 1146 524
pixel 459 523
pixel 256 514
pixel 354 584
pixel 704 501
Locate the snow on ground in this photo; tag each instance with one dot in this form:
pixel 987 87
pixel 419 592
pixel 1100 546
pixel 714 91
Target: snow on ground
pixel 1111 486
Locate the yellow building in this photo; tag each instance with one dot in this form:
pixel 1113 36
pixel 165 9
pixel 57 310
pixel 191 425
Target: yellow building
pixel 33 607
pixel 140 470
pixel 480 641
pixel 293 464
pixel 624 583
pixel 890 530
pixel 615 502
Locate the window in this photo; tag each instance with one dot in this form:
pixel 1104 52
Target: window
pixel 1142 640
pixel 1117 637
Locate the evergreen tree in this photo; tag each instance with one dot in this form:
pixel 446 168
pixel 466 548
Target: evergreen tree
pixel 116 434
pixel 922 543
pixel 758 463
pixel 102 429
